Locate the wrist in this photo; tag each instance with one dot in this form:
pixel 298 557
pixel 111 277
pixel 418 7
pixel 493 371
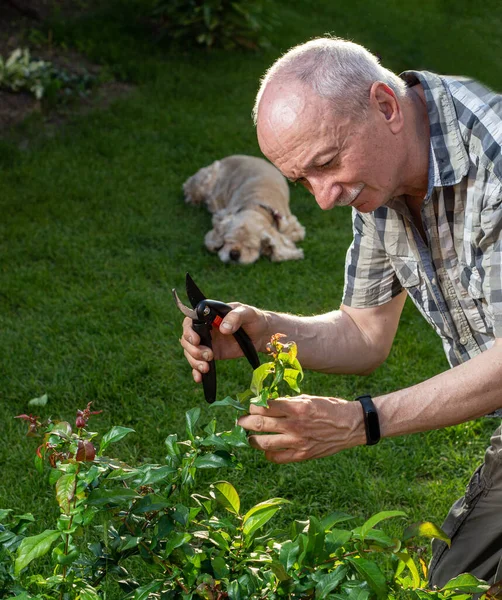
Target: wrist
pixel 370 419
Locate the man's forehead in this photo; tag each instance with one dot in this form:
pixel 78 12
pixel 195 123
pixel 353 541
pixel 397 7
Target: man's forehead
pixel 281 105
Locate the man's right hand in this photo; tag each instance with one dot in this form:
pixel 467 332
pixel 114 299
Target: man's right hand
pixel 251 319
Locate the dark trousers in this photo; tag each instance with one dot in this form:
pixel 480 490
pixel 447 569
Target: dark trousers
pixel 474 525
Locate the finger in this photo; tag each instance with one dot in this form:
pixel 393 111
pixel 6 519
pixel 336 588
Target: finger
pixel 233 320
pixel 197 376
pixel 262 423
pixel 197 365
pixel 281 457
pixel 273 443
pixel 280 407
pixel 199 353
pixel 188 332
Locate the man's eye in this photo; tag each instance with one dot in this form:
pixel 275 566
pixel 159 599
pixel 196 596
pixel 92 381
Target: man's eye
pixel 326 164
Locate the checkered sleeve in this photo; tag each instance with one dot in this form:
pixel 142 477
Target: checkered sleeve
pixel 490 273
pixel 370 279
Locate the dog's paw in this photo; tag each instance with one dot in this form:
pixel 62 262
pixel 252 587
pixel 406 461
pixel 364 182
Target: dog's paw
pixel 286 254
pixel 213 241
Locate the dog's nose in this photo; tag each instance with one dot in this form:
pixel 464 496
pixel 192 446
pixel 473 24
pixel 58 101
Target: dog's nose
pixel 235 255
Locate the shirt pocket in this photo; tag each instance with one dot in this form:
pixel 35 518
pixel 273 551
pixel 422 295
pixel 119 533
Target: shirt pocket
pixel 472 282
pixel 406 269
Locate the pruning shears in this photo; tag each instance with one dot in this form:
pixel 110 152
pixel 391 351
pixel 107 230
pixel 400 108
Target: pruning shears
pixel 204 314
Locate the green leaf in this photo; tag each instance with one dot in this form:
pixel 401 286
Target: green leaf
pixel 173 448
pixel 316 537
pixel 466 583
pixel 410 563
pixel 337 538
pixel 115 434
pixel 237 437
pixel 220 567
pixel 226 495
pixel 130 541
pixel 62 429
pixel 289 553
pixel 99 497
pixel 33 547
pixel 213 461
pixel 259 376
pixel 192 416
pixel 89 593
pixel 329 582
pixel 154 474
pixel 262 398
pixel 260 514
pixel 334 518
pixel 65 491
pixel 228 401
pixel 291 377
pixel 40 401
pixel 4 513
pixel 355 590
pixel 150 503
pixel 375 519
pixel 426 529
pixel 370 572
pixel 175 540
pixel 143 592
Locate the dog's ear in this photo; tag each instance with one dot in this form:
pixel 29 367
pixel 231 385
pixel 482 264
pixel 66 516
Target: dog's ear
pixel 279 247
pixel 199 187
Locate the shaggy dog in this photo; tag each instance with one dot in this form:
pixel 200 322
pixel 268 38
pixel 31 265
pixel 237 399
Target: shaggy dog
pixel 249 200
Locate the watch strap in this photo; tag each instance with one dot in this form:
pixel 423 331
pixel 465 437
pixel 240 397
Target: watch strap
pixel 371 421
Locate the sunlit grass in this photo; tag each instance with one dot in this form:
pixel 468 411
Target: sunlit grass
pixel 94 233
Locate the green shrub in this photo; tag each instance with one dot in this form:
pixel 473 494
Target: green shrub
pixel 21 73
pixel 223 23
pixel 149 529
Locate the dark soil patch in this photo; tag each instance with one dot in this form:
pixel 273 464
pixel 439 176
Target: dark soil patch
pixel 17 17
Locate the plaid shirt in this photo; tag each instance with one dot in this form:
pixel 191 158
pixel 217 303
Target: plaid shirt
pixel 456 279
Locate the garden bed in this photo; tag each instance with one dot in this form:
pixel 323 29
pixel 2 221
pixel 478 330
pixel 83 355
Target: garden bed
pixel 17 30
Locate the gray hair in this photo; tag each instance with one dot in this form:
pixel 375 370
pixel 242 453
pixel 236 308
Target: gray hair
pixel 333 68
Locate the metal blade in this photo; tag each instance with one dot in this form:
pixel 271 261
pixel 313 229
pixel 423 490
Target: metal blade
pixel 188 312
pixel 194 294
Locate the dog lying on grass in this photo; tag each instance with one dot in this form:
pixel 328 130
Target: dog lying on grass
pixel 249 200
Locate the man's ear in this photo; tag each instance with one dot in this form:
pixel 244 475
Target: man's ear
pixel 386 102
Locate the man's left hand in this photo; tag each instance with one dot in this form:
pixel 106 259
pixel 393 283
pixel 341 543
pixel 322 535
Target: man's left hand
pixel 304 427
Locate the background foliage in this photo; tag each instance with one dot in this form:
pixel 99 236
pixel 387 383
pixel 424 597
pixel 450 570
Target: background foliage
pixel 94 234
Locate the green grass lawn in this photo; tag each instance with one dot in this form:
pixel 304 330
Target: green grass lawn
pixel 94 233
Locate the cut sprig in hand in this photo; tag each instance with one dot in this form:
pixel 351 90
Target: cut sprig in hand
pixel 270 377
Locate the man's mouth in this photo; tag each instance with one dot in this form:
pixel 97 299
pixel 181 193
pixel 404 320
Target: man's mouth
pixel 351 196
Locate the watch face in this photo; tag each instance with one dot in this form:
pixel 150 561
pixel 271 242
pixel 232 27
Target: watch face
pixel 373 426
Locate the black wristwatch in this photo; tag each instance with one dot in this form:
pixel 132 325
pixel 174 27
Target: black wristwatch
pixel 371 422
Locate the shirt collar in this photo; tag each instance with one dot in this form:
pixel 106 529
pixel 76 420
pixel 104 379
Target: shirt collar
pixel 448 158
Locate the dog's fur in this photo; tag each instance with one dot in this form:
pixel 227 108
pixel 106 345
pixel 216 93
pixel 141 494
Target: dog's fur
pixel 249 200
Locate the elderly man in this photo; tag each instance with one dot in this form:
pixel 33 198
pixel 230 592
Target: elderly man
pixel 418 158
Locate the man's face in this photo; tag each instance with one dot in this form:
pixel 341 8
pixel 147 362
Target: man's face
pixel 341 162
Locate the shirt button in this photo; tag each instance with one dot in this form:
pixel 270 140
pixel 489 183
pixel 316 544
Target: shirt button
pixel 463 341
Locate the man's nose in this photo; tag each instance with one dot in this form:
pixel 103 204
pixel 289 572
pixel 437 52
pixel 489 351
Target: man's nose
pixel 326 192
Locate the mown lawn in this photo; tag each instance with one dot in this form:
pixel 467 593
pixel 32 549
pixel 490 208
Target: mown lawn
pixel 94 233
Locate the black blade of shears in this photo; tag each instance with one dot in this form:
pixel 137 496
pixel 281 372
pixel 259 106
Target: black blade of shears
pixel 208 379
pixel 194 294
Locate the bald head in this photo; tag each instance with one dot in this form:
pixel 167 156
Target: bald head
pixel 332 68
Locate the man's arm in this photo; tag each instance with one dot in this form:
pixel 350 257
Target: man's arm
pixel 349 340
pixel 308 427
pixel 468 391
